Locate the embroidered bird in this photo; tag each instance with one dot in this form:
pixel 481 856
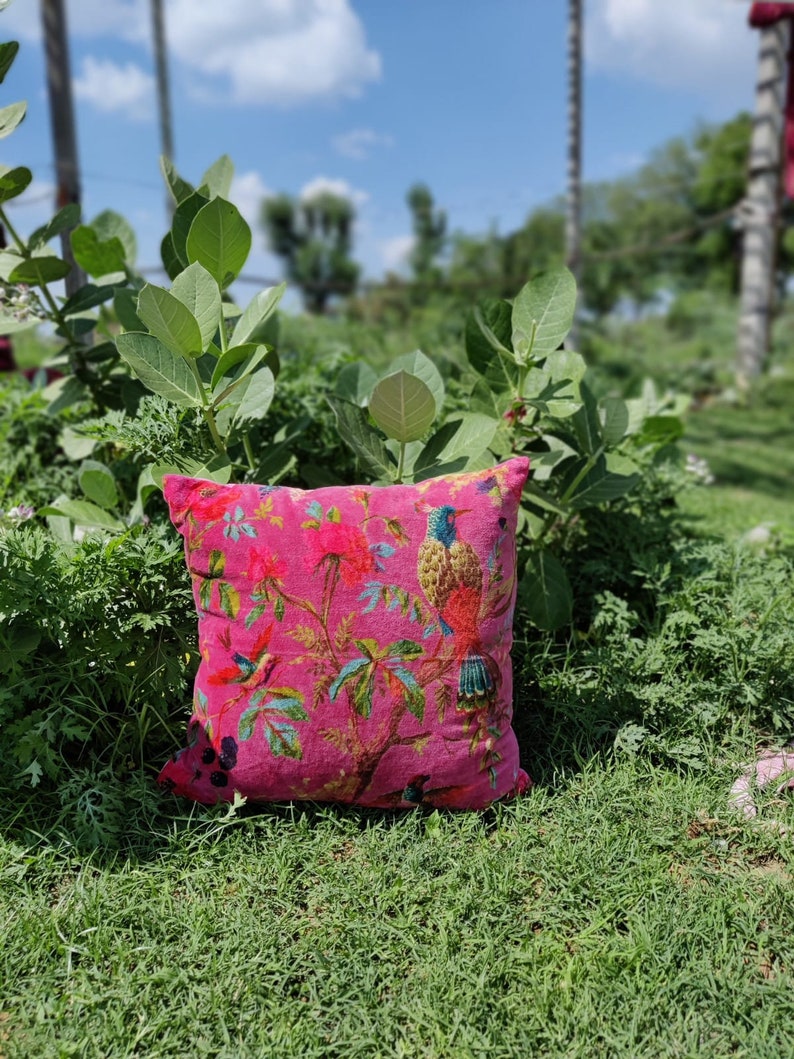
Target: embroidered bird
pixel 253 672
pixel 450 576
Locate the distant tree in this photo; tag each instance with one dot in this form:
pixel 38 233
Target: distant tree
pixel 314 238
pixel 429 228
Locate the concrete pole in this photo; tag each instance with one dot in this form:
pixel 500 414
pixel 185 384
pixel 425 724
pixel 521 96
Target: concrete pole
pixel 761 208
pixel 573 210
pixel 64 138
pixel 163 92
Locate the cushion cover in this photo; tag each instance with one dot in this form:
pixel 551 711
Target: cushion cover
pixel 354 641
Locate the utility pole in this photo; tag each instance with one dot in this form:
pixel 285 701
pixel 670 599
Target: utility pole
pixel 163 93
pixel 59 87
pixel 760 211
pixel 573 207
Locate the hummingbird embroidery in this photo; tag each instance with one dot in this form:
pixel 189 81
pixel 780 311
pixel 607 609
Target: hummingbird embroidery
pixel 450 575
pixel 249 675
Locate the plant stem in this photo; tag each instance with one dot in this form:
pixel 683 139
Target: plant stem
pixel 249 452
pixel 206 410
pixel 401 462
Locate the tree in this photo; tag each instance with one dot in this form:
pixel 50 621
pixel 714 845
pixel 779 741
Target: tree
pixel 314 238
pixel 430 227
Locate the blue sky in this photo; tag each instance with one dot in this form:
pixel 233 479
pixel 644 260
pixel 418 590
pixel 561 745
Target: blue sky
pixel 369 96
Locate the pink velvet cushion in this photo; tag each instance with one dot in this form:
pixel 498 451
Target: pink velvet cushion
pixel 355 642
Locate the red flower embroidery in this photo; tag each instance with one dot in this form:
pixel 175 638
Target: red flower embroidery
pixel 264 566
pixel 209 502
pixel 347 545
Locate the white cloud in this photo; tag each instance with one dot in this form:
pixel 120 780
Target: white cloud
pixel 396 251
pixel 247 193
pixel 324 185
pixel 129 19
pixel 113 88
pixel 706 47
pixel 357 143
pixel 275 51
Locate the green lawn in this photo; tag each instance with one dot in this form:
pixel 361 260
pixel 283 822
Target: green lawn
pixel 618 910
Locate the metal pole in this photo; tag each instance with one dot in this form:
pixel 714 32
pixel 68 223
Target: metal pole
pixel 761 208
pixel 573 212
pixel 59 86
pixel 163 94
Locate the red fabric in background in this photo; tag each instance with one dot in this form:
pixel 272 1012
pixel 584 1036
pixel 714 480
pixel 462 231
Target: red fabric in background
pixel 761 15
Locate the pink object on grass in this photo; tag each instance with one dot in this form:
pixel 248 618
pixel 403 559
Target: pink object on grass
pixel 355 642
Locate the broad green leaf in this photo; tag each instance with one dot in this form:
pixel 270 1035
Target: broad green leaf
pixel 160 370
pixel 555 388
pixel 546 592
pixel 464 437
pixel 40 270
pixel 355 382
pixel 420 365
pixel 184 215
pixel 218 178
pixel 216 469
pixel 9 259
pixel 614 414
pixel 97 256
pixel 660 430
pixel 172 263
pixel 179 188
pixel 10 117
pixel 256 395
pixel 168 319
pixel 599 485
pixel 403 406
pixel 198 291
pixel 230 599
pixel 125 302
pixel 487 335
pixel 13 182
pixel 8 52
pixel 88 297
pixel 362 439
pixel 283 740
pixel 98 484
pixel 546 305
pixel 586 424
pixel 220 240
pixel 67 217
pixel 250 326
pixel 75 445
pixel 250 355
pixel 83 513
pixel 111 225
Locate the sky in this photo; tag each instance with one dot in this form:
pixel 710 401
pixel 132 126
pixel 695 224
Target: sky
pixel 367 97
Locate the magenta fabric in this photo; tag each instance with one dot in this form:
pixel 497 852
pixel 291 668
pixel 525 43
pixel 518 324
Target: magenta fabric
pixel 355 641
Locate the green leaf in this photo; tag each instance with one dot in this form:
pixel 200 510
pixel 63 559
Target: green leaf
pixel 546 305
pixel 96 256
pixel 67 217
pixel 546 592
pixel 252 324
pixel 172 263
pixel 404 649
pixel 75 445
pixel 218 178
pixel 87 297
pixel 98 484
pixel 403 406
pixel 83 513
pixel 555 388
pixel 215 469
pixel 586 424
pixel 368 446
pixel 230 599
pixel 488 334
pixel 660 430
pixel 355 382
pixel 111 225
pixel 199 292
pixel 220 240
pixel 463 437
pixel 160 370
pixel 247 722
pixel 256 395
pixel 614 415
pixel 8 52
pixel 13 182
pixel 420 365
pixel 168 319
pixel 125 302
pixel 217 563
pixel 179 188
pixel 600 484
pixel 10 117
pixel 249 355
pixel 184 215
pixel 40 270
pixel 283 740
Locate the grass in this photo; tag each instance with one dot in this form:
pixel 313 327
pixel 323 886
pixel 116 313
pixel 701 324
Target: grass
pixel 617 910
